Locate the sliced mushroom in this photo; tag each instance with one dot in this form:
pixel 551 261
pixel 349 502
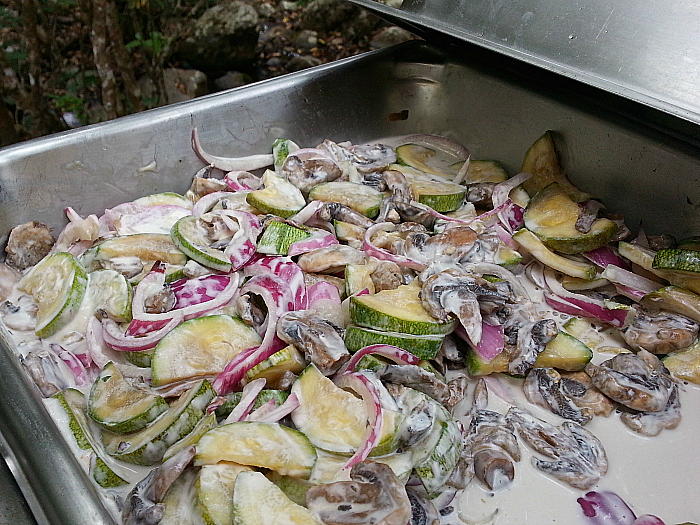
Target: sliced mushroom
pixel 423 512
pixel 162 301
pixel 544 387
pixel 480 194
pixel 368 158
pixel 577 456
pixel 491 448
pixel 316 337
pixel 331 259
pixel 452 245
pixel 660 332
pixel 531 340
pixel 9 277
pixel 587 215
pixel 375 495
pixel 307 173
pixel 410 213
pixel 143 504
pixel 396 183
pixel 27 245
pixel 451 292
pixel 202 186
pixel 637 381
pixel 652 423
pixel 387 276
pixel 418 378
pixel 249 312
pixel 419 418
pixel 20 315
pixel 335 211
pixel 45 371
pixel 578 387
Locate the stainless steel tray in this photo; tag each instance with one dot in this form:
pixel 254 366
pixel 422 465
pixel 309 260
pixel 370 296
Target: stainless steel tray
pixel 645 163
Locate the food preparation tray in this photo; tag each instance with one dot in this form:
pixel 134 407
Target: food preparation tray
pixel 644 161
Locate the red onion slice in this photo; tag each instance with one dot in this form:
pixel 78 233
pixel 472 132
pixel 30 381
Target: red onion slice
pixel 307 212
pixel 319 239
pixel 606 508
pixel 629 280
pixel 322 291
pixel 249 163
pixel 208 201
pixel 231 179
pixel 396 354
pixel 362 385
pixel 386 255
pixel 118 340
pixel 492 340
pixel 287 270
pixel 250 394
pixel 274 415
pixel 604 256
pixel 74 364
pixel 189 292
pixel 509 219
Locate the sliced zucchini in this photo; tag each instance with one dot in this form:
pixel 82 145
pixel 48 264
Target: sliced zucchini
pixel 198 347
pixel 507 256
pixel 147 247
pixel 273 369
pixel 279 236
pixel 429 160
pixel 372 362
pixel 541 160
pixel 644 257
pixel 328 466
pixel 203 426
pixel 334 419
pixel 398 310
pixel 232 399
pixel 483 171
pixel 678 260
pixel 281 149
pixel 564 352
pixel 422 346
pixel 118 406
pixel 576 284
pixel 140 358
pixel 189 237
pixel 359 277
pixel 552 216
pixel 257 501
pixel 442 196
pixel 148 446
pixel 363 199
pixel 179 501
pixel 294 488
pixel 267 445
pixel 109 291
pixel 539 251
pixel 478 366
pixel 583 330
pixel 278 196
pixel 685 364
pixel 349 233
pixel 674 299
pixel 213 490
pixel 164 199
pixel 57 283
pixel 73 402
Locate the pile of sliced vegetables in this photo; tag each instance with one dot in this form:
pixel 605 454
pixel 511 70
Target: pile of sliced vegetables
pixel 316 343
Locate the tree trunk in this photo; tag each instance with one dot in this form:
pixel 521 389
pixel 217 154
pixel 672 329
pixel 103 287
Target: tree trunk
pixel 100 49
pixel 36 95
pixel 121 57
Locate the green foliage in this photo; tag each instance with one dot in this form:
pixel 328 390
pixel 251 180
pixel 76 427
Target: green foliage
pixel 153 45
pixel 58 6
pixel 8 18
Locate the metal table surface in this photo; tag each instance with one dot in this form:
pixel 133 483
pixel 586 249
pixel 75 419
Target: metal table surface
pixel 14 510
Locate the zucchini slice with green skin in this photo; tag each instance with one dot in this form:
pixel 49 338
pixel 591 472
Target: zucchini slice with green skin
pixel 279 236
pixel 530 242
pixel 166 198
pixel 541 160
pixel 199 347
pixel 443 197
pixel 213 489
pixel 267 445
pixel 685 364
pixel 281 149
pixel 363 199
pixel 116 405
pixel 677 260
pixel 148 247
pixel 644 257
pixel 232 399
pixel 289 359
pixel 58 284
pixel 73 402
pixel 477 366
pixel 278 196
pixel 344 231
pixel 328 465
pixel 257 500
pixel 203 426
pixel 564 352
pixel 110 292
pixel 358 277
pixel 335 420
pixel 552 216
pixel 674 299
pixel 422 346
pixel 483 171
pixel 429 160
pixel 294 488
pixel 179 501
pixel 398 310
pixel 148 446
pixel 190 239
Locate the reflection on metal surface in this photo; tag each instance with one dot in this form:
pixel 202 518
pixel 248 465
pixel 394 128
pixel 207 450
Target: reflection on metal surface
pixel 645 51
